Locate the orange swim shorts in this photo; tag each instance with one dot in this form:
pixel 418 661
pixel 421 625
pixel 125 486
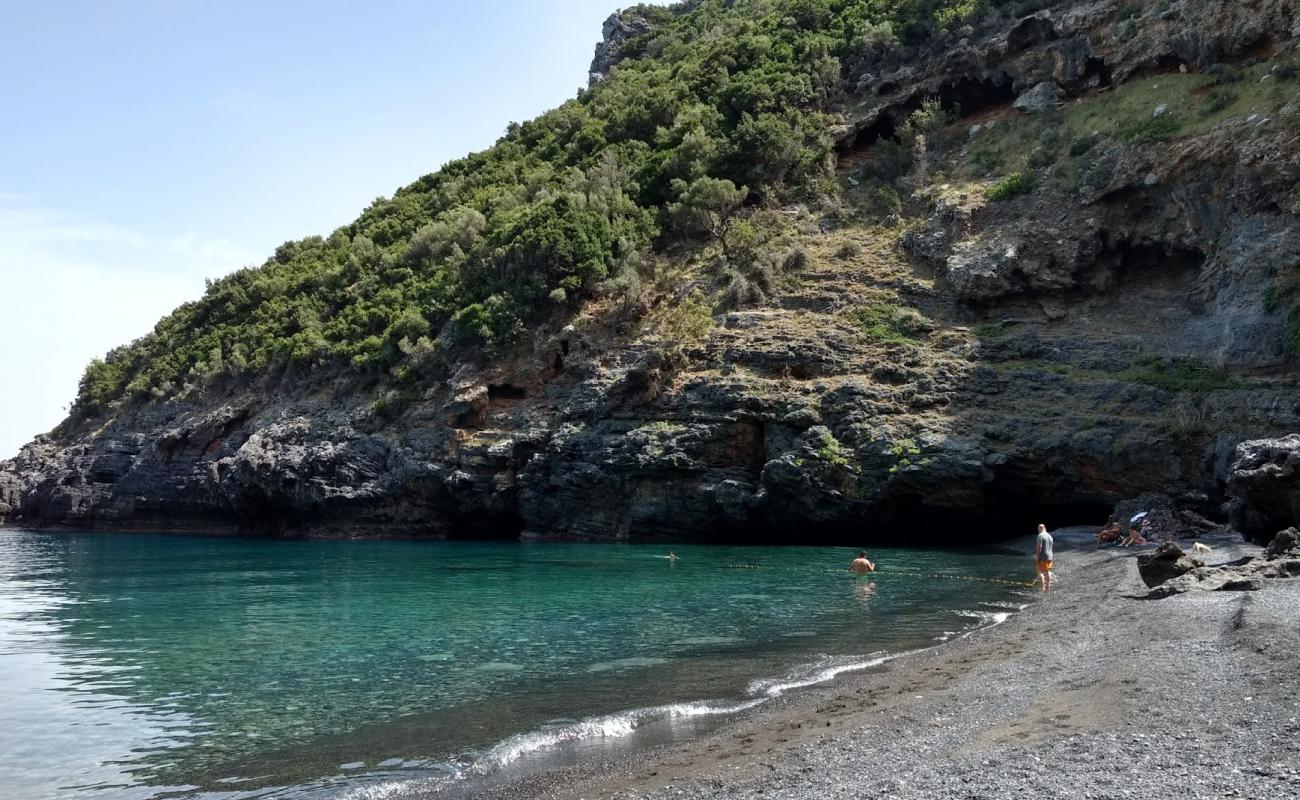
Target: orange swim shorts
pixel 1044 566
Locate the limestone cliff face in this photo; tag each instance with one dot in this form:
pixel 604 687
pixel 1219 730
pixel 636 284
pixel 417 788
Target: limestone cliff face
pixel 1114 330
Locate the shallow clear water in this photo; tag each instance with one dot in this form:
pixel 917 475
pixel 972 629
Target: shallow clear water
pixel 135 666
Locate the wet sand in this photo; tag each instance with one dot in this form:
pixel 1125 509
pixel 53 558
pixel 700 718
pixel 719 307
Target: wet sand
pixel 1093 692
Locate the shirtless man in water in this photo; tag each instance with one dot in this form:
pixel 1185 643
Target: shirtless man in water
pixel 861 566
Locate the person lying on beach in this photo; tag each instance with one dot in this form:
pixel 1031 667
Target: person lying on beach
pixel 1111 533
pixel 861 565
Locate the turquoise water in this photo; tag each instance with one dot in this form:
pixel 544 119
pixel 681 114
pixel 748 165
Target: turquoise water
pixel 137 666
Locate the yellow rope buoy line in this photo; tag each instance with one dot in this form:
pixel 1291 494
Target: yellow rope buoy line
pixel 943 576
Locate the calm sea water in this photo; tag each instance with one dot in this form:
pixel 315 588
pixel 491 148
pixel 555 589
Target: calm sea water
pixel 135 666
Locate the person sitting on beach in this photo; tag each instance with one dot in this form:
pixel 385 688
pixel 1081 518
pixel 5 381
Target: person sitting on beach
pixel 861 565
pixel 1134 537
pixel 1043 558
pixel 1111 533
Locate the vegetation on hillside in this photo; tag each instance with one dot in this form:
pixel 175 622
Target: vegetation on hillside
pixel 719 111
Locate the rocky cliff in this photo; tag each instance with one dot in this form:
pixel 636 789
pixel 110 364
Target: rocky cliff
pixel 1083 288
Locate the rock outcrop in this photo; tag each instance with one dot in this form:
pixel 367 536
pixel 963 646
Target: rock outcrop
pixel 1264 484
pixel 1108 331
pixel 615 33
pixel 1164 564
pixel 1169 572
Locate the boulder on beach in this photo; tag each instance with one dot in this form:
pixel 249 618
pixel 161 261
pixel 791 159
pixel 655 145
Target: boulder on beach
pixel 1264 484
pixel 1285 545
pixel 1165 521
pixel 1169 571
pixel 1165 563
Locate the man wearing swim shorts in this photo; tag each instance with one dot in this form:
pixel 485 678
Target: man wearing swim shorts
pixel 1043 556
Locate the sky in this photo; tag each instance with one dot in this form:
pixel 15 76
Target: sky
pixel 147 146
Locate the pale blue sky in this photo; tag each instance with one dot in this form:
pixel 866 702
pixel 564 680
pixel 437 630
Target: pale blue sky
pixel 145 146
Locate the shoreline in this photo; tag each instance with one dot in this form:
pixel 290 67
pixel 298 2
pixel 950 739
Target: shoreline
pixel 1092 691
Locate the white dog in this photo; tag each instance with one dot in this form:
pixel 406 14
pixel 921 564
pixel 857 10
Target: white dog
pixel 1201 549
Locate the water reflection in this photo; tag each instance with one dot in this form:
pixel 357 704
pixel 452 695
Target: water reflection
pixel 69 710
pixel 140 665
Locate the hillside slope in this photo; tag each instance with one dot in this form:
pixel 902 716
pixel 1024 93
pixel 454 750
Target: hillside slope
pixel 788 269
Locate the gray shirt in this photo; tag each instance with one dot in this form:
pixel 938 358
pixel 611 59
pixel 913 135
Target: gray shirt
pixel 1044 547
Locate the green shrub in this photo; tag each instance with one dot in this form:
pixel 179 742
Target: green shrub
pixel 1180 375
pixel 885 323
pixel 1218 100
pixel 831 451
pixel 1291 338
pixel 883 201
pixel 1014 185
pixel 1082 145
pixel 1220 74
pixel 848 250
pixel 888 161
pixel 1149 130
pixel 985 159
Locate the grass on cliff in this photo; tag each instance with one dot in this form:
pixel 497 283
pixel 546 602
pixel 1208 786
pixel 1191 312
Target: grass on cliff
pixel 1170 374
pixel 1180 375
pixel 1194 103
pixel 883 322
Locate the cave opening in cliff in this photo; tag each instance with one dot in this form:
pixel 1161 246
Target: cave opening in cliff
pixel 1145 262
pixel 506 391
pixel 502 527
pixel 1002 516
pixel 969 96
pixel 912 522
pixel 961 98
pixel 1096 73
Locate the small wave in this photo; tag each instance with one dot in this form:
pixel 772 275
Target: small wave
pixel 986 618
pixel 394 788
pixel 561 732
pixel 1005 604
pixel 801 679
pixel 626 663
pixel 699 641
pixel 611 726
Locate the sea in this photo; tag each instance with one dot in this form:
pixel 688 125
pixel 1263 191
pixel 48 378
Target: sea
pixel 139 666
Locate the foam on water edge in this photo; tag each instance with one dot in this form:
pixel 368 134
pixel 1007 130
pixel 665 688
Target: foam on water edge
pixel 387 783
pixel 626 723
pixel 608 726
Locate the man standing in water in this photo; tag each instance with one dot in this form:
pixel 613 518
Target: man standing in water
pixel 1043 555
pixel 861 566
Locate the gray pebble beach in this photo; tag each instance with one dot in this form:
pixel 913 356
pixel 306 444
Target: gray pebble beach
pixel 1092 692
